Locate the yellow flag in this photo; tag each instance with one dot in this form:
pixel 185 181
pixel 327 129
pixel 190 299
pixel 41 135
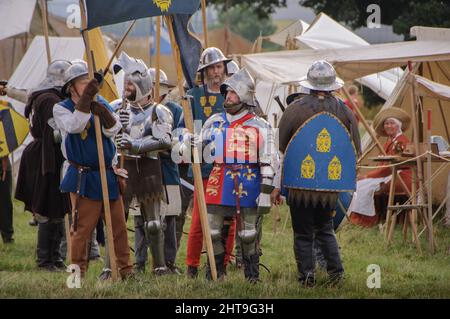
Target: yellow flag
pixel 108 90
pixel 13 129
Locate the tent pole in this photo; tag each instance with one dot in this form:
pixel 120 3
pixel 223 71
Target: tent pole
pixel 101 157
pixel 198 181
pixel 430 201
pixel 441 110
pixel 416 146
pixel 44 11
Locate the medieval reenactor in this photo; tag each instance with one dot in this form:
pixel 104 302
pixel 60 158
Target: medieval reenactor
pixel 75 118
pixel 40 168
pixel 171 206
pixel 207 101
pixel 244 156
pixel 319 142
pixel 147 132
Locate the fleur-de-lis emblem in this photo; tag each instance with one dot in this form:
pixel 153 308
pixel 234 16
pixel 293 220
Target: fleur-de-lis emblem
pixel 241 192
pixel 249 174
pixel 233 174
pixel 163 5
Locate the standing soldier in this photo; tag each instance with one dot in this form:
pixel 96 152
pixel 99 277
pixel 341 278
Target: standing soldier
pixel 243 150
pixel 75 118
pixel 319 140
pixel 147 132
pixel 171 206
pixel 207 101
pixel 40 168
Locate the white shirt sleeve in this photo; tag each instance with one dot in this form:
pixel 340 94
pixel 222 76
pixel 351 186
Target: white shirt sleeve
pixel 111 132
pixel 72 123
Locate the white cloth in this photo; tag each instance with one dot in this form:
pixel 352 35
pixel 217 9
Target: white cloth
pixel 364 203
pixel 173 208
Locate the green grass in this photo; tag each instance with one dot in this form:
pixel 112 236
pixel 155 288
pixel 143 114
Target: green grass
pixel 404 274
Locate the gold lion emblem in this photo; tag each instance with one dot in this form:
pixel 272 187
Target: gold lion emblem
pixel 308 168
pixel 163 5
pixel 323 141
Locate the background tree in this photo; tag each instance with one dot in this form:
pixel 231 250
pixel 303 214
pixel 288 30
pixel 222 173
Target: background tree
pixel 401 14
pixel 243 20
pixel 262 8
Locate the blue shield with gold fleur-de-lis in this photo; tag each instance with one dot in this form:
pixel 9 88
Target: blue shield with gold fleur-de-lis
pixel 13 129
pixel 320 156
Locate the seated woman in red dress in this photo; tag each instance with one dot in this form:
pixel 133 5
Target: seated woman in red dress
pixel 391 123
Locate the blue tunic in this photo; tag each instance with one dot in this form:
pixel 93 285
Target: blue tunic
pixel 169 168
pixel 202 111
pixel 81 149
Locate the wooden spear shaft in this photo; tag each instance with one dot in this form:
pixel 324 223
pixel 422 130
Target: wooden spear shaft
pixel 205 26
pixel 44 11
pixel 101 157
pixel 158 57
pixel 198 181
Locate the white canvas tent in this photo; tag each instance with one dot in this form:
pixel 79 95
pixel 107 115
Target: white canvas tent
pixel 326 33
pixel 13 23
pixel 32 68
pixel 290 32
pixel 272 69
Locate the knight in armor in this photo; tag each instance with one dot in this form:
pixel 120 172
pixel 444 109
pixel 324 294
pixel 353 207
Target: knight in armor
pixel 311 210
pixel 207 100
pixel 171 206
pixel 40 168
pixel 147 131
pixel 74 117
pixel 244 159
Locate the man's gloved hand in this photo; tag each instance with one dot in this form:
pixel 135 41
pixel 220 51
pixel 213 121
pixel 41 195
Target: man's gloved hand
pixel 106 117
pixel 123 141
pixel 84 103
pixel 124 116
pixel 92 88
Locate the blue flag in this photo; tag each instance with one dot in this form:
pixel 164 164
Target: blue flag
pixel 105 12
pixel 190 47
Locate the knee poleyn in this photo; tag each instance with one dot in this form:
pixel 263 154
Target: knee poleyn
pixel 153 226
pixel 248 236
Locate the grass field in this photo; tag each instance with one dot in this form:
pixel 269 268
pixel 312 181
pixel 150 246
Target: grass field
pixel 404 274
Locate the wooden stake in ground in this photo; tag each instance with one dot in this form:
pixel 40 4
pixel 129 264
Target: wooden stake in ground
pixel 101 158
pixel 198 181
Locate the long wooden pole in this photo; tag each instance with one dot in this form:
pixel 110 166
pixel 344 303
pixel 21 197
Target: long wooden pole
pixel 119 45
pixel 205 25
pixel 44 11
pixel 198 181
pixel 101 157
pixel 372 134
pixel 429 186
pixel 158 57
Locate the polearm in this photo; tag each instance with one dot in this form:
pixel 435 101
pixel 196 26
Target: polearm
pixel 205 25
pixel 44 11
pixel 101 157
pixel 198 182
